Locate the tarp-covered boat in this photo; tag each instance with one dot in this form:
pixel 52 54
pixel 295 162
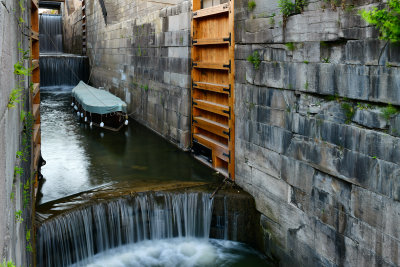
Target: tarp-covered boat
pixel 99 107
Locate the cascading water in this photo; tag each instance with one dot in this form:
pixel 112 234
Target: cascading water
pixel 148 229
pixel 50 35
pixel 56 68
pixel 78 236
pixel 62 69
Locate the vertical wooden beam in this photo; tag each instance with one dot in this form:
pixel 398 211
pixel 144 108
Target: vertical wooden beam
pixel 231 168
pixel 35 110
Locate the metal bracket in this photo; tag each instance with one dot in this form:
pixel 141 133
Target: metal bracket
pixel 228 39
pixel 194 64
pixel 194 41
pixel 228 112
pixel 194 13
pixel 194 103
pixel 228 66
pixel 228 156
pixel 228 133
pixel 227 90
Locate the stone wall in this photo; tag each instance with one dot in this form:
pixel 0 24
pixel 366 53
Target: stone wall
pixel 312 143
pixel 72 27
pixel 142 55
pixel 13 245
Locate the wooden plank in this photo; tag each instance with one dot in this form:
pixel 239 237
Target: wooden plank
pixel 35 64
pixel 211 65
pixel 211 11
pixel 36 156
pixel 212 107
pixel 35 35
pixel 213 87
pixel 35 110
pixel 210 41
pixel 35 89
pixel 36 133
pixel 212 126
pixel 220 149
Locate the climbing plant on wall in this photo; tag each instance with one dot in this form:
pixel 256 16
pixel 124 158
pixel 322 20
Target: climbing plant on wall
pixel 386 20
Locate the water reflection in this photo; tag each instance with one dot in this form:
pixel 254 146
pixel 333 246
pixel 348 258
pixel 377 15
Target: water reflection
pixel 80 158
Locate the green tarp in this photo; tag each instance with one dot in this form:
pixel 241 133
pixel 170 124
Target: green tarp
pixel 97 101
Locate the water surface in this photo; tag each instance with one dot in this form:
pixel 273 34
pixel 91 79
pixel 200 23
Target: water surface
pixel 81 158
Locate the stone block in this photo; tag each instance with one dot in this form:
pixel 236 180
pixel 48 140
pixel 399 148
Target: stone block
pixel 265 160
pixel 371 118
pixel 297 174
pixel 395 125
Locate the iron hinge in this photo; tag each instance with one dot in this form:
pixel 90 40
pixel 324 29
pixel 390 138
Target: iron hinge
pixel 228 39
pixel 228 65
pixel 227 90
pixel 228 156
pixel 228 112
pixel 228 133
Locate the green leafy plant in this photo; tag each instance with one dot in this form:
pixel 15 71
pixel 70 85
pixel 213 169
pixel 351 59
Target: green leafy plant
pixel 251 5
pixel 287 7
pixel 362 106
pixel 306 61
pixel 306 85
pixel 290 46
pixel 389 111
pixel 18 216
pixel 325 60
pixel 28 241
pixel 386 20
pixel 15 97
pixel 7 264
pixel 272 19
pixel 18 171
pixel 348 111
pixel 255 59
pixel 26 193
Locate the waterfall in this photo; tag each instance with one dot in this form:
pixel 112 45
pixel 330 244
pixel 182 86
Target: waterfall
pixel 63 69
pixel 88 231
pixel 50 33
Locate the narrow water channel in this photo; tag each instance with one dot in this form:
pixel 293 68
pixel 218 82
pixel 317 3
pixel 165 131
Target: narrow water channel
pixel 80 158
pixel 138 231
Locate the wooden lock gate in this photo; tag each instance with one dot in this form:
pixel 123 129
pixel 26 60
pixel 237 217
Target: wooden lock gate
pixel 213 74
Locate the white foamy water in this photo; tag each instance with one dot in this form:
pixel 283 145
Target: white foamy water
pixel 182 252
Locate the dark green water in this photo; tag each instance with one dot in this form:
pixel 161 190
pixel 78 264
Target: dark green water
pixel 80 158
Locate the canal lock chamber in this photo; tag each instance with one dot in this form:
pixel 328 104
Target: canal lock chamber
pixel 180 227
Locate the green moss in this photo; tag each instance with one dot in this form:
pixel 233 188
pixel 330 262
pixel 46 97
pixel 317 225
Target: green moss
pixel 389 111
pixel 306 85
pixel 348 111
pixel 255 59
pixel 251 5
pixel 290 46
pixel 325 60
pixel 306 61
